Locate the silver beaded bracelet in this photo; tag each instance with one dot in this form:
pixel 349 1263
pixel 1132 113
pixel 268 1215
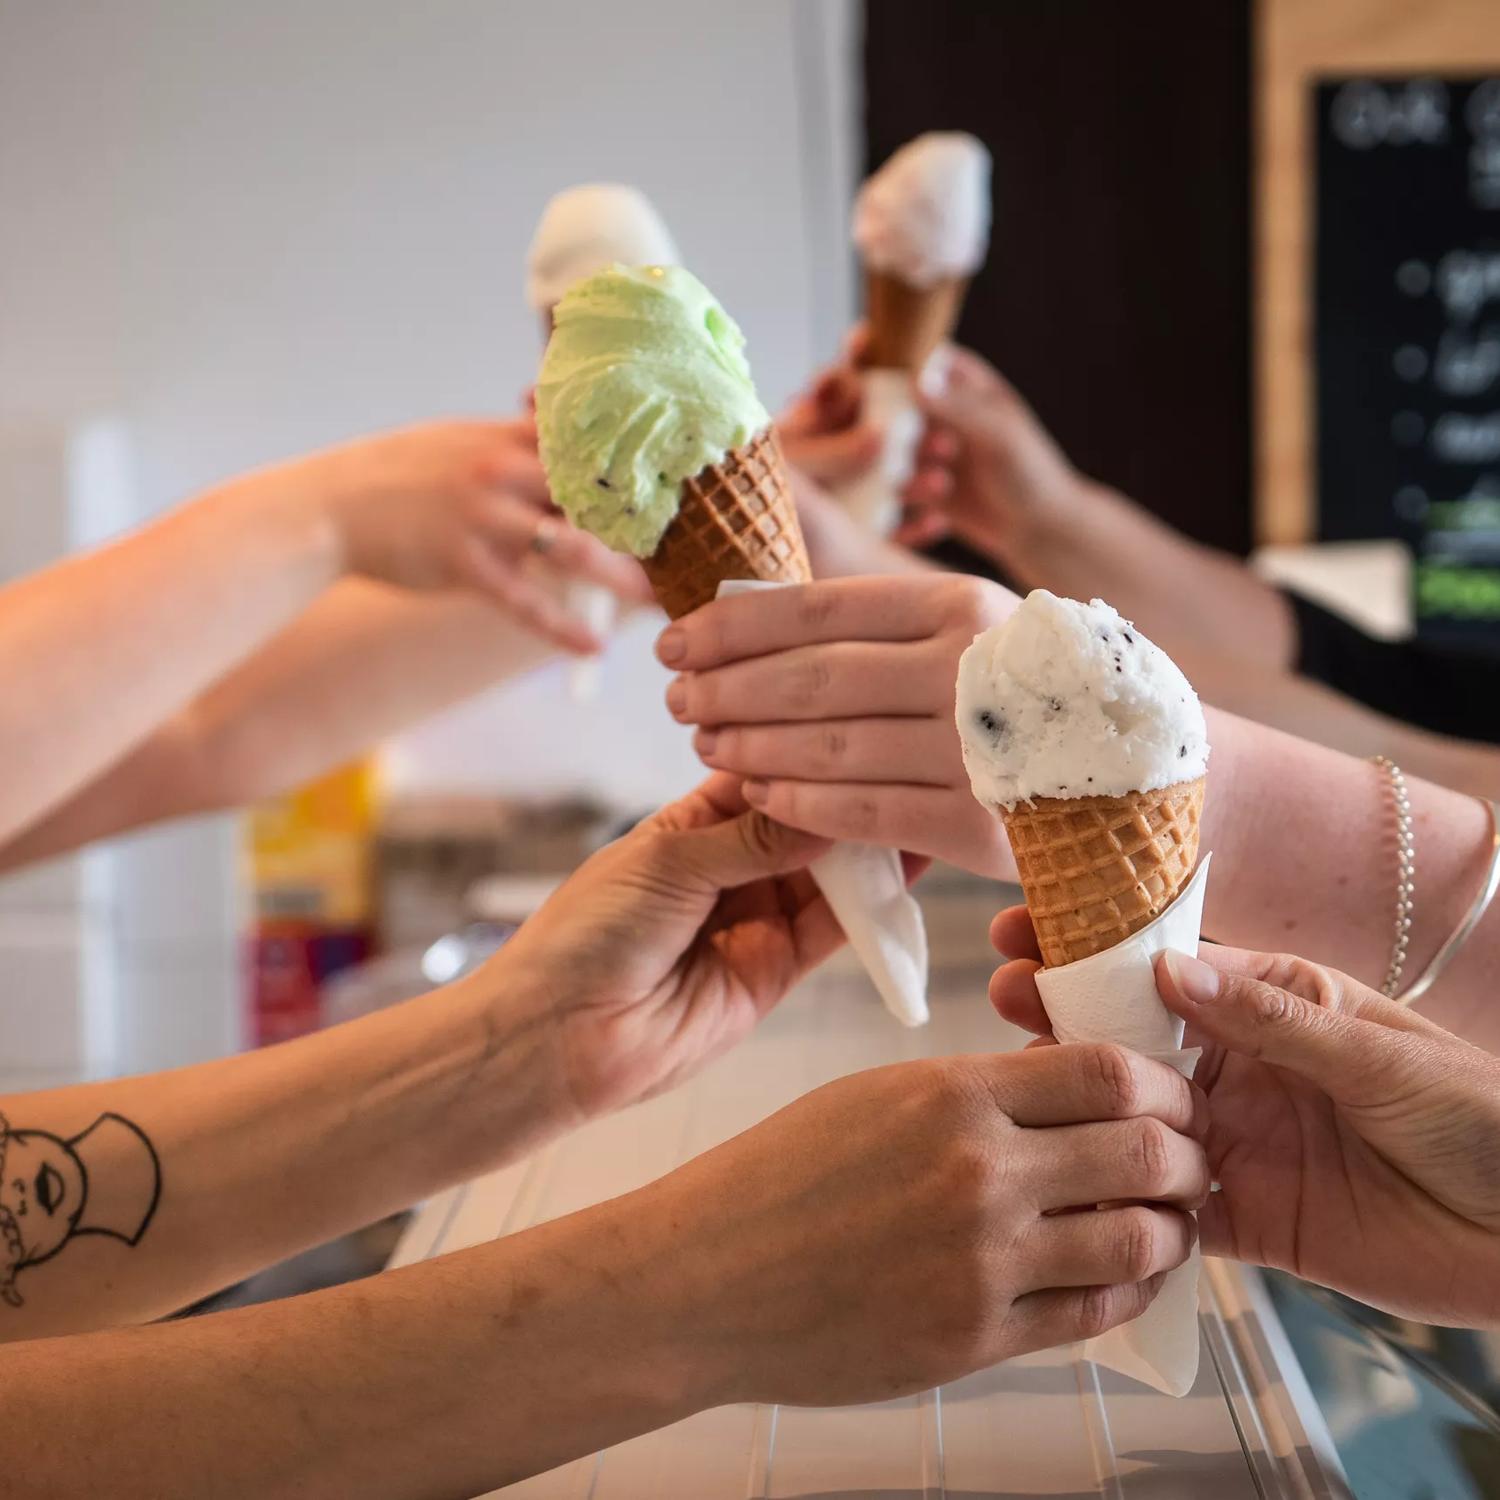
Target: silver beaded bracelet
pixel 1406 892
pixel 1460 935
pixel 1406 869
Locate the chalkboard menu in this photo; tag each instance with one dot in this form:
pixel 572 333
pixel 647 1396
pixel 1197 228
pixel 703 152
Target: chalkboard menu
pixel 1407 332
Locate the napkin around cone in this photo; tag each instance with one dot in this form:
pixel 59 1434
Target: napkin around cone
pixel 890 406
pixel 1111 997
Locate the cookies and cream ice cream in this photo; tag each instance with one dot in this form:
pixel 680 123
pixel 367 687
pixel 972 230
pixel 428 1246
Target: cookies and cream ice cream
pixel 1069 700
pixel 924 216
pixel 644 385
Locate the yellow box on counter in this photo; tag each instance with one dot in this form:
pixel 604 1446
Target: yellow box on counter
pixel 309 854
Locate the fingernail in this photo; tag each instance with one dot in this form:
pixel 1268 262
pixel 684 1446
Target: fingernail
pixel 756 792
pixel 677 697
pixel 933 380
pixel 671 646
pixel 1195 980
pixel 705 741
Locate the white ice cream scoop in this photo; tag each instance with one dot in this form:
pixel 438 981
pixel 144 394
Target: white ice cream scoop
pixel 1069 700
pixel 925 215
pixel 586 228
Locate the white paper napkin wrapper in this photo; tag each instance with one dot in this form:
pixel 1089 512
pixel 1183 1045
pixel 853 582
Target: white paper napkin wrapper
pixel 866 890
pixel 1111 997
pixel 890 406
pixel 598 608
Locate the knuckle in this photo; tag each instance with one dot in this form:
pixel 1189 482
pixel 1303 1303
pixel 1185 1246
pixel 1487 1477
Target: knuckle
pixel 1119 1084
pixel 1152 1156
pixel 759 835
pixel 1270 1005
pixel 1140 1244
pixel 809 682
pixel 1097 1311
pixel 816 609
pixel 861 818
pixel 833 746
pixel 969 1173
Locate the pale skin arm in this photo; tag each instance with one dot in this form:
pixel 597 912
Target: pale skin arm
pixel 117 641
pixel 837 702
pixel 361 663
pixel 717 1284
pixel 802 1262
pixel 267 1153
pixel 1315 712
pixel 1305 862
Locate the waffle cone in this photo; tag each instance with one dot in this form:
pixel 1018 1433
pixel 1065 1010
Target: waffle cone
pixel 906 323
pixel 1096 869
pixel 737 520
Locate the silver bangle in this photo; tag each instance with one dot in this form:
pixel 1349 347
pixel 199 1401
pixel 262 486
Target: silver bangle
pixel 1487 888
pixel 1406 865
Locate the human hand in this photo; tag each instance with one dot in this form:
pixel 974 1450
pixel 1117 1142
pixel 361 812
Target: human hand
pixel 667 946
pixel 823 432
pixel 899 1228
pixel 1355 1141
pixel 987 470
pixel 836 701
pixel 463 504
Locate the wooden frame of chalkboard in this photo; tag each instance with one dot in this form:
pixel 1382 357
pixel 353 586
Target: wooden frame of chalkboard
pixel 1406 319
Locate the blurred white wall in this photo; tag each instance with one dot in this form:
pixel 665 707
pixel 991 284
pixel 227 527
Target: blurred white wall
pixel 247 230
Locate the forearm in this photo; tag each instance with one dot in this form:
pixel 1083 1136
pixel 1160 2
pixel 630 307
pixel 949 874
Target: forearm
pixel 253 1158
pixel 1318 713
pixel 116 641
pixel 448 1378
pixel 1096 543
pixel 1305 862
pixel 362 663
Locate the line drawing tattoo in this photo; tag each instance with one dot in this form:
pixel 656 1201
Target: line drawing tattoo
pixel 48 1197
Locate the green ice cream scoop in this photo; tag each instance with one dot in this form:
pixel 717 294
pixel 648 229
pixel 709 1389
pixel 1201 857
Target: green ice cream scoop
pixel 644 384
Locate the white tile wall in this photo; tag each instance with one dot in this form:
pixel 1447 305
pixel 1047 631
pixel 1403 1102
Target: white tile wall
pixel 241 231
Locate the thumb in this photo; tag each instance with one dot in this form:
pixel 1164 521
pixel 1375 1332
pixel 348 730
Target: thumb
pixel 738 851
pixel 958 387
pixel 1353 1061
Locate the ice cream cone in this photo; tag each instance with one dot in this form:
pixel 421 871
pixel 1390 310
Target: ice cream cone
pixel 737 520
pixel 1097 869
pixel 906 323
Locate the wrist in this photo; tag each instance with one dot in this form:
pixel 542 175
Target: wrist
pixel 508 1093
pixel 682 1287
pixel 1047 526
pixel 281 512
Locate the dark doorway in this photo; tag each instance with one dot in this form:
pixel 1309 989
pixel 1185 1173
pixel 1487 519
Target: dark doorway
pixel 1117 292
